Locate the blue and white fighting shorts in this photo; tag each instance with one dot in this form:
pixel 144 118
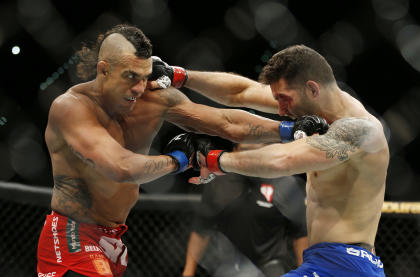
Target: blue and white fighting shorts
pixel 338 260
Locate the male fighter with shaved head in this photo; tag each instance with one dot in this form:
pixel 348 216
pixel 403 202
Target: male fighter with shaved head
pixel 346 167
pixel 98 136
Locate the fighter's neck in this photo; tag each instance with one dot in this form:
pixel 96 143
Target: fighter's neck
pixel 336 106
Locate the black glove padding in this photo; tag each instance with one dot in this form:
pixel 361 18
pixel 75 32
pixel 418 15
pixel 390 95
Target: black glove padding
pixel 205 143
pixel 310 124
pixel 179 145
pixel 167 75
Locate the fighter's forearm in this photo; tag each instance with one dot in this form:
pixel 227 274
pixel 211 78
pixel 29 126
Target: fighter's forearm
pixel 142 169
pixel 245 127
pixel 268 162
pixel 218 86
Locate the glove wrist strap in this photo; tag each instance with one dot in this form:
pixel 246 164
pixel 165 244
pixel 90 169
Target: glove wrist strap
pixel 181 159
pixel 213 162
pixel 180 77
pixel 286 130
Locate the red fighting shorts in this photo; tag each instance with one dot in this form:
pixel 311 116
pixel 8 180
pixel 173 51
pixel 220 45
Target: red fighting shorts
pixel 87 249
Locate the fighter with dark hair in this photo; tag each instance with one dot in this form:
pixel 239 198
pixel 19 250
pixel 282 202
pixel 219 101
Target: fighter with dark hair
pixel 98 136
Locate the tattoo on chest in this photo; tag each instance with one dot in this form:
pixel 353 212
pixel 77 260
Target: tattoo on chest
pixel 343 137
pixel 72 196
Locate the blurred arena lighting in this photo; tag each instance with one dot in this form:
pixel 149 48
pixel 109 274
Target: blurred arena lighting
pixel 275 22
pixel 27 156
pixel 400 119
pixel 40 19
pixel 3 121
pixel 153 16
pixel 391 9
pixel 344 41
pixel 408 41
pixel 60 70
pixel 207 54
pixel 240 22
pixel 400 177
pixel 15 50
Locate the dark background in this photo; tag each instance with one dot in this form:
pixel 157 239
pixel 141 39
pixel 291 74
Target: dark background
pixel 373 46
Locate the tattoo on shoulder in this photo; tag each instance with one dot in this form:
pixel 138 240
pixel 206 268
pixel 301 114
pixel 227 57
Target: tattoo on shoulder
pixel 80 156
pixel 72 196
pixel 344 136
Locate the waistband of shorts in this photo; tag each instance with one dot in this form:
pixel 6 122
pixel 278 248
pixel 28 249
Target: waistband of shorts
pixel 329 245
pixel 117 231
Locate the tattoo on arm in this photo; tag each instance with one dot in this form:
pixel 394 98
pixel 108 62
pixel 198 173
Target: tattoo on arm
pixel 153 167
pixel 85 160
pixel 71 196
pixel 259 131
pixel 344 136
pixel 172 97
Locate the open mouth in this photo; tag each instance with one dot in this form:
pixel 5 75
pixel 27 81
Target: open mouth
pixel 131 99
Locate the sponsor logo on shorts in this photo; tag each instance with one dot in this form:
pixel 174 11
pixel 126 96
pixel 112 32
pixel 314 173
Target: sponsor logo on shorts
pixel 72 235
pixel 365 255
pixel 92 248
pixel 101 264
pixel 49 274
pixel 56 239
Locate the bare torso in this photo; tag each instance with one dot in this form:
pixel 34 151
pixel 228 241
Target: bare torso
pixel 82 193
pixel 344 202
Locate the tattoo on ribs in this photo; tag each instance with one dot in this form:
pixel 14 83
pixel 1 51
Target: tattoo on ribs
pixel 344 136
pixel 85 160
pixel 73 197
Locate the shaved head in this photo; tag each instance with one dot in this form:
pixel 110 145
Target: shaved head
pixel 118 44
pixel 114 48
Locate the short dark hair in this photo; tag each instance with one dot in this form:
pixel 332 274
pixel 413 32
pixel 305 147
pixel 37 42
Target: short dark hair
pixel 88 56
pixel 297 64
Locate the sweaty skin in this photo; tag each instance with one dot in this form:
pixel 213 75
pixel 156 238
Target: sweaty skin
pixel 346 167
pixel 99 134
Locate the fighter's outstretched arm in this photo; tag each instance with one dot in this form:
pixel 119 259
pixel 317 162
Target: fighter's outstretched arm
pixel 92 143
pixel 232 124
pixel 345 138
pixel 233 90
pixel 225 88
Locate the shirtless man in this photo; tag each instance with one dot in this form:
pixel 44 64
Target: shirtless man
pixel 346 167
pixel 98 136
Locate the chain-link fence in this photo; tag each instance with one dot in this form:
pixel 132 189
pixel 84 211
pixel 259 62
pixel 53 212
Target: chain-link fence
pixel 158 235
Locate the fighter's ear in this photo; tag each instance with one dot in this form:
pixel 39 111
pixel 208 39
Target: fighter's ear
pixel 313 88
pixel 102 68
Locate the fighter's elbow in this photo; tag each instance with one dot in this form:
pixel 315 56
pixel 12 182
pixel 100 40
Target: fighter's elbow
pixel 282 164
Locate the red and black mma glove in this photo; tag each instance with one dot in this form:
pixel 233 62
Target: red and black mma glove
pixel 167 75
pixel 181 149
pixel 206 146
pixel 306 125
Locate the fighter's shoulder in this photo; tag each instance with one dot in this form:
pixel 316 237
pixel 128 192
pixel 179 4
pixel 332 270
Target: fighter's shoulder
pixel 365 133
pixel 169 97
pixel 69 105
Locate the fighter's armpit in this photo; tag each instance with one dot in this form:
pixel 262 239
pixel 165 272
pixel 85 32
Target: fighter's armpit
pixel 72 196
pixel 345 136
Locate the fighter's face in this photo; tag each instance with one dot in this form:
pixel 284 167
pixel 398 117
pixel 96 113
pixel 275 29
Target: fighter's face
pixel 292 100
pixel 127 82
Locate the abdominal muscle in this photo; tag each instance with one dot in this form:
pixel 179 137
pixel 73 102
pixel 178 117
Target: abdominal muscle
pixel 343 211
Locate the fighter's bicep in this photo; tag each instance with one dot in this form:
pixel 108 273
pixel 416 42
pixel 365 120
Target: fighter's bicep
pixel 83 134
